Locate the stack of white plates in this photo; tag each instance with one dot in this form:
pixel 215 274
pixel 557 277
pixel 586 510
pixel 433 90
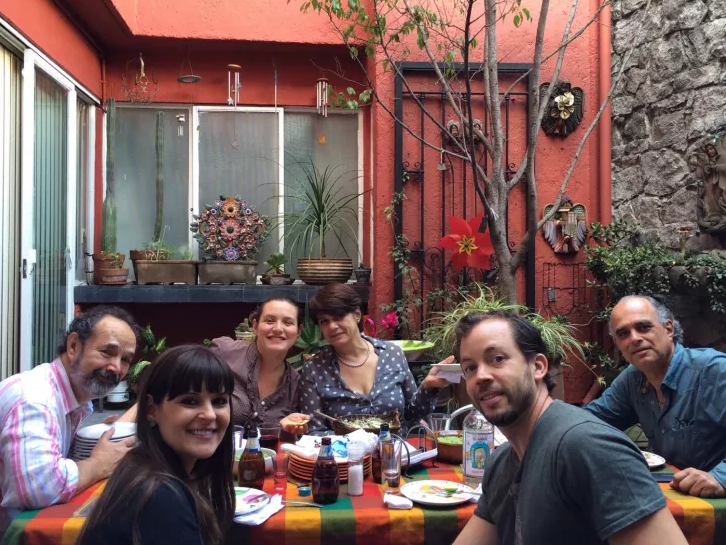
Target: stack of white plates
pixel 86 438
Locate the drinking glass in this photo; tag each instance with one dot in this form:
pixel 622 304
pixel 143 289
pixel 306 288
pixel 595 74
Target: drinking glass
pixel 279 469
pixel 269 436
pixel 437 421
pixel 391 463
pixel 237 436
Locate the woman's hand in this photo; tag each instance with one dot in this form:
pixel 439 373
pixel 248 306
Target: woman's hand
pixel 432 381
pixel 295 423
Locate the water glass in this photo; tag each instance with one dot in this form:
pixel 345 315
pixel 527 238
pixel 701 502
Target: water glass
pixel 437 421
pixel 279 469
pixel 391 462
pixel 237 436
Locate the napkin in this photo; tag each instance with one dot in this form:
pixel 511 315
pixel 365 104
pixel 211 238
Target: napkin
pixel 453 377
pixel 258 517
pixel 397 502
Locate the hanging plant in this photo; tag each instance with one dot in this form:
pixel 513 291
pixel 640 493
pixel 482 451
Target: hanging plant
pixel 230 229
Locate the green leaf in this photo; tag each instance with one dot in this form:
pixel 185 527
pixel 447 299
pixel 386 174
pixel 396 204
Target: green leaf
pixel 350 91
pixel 526 14
pixel 517 20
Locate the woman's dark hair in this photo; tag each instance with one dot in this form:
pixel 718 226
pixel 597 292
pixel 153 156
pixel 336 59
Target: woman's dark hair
pixel 179 370
pixel 526 336
pixel 336 300
pixel 85 324
pixel 257 313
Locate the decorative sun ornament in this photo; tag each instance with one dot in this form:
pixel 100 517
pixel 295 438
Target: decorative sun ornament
pixel 470 247
pixel 230 229
pixel 565 104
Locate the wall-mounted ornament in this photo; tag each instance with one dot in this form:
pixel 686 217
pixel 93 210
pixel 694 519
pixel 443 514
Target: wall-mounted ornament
pixel 233 84
pixel 566 232
pixel 321 96
pixel 454 131
pixel 140 89
pixel 709 166
pixel 564 110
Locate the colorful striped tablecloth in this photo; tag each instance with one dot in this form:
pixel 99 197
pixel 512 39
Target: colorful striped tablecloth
pixel 361 520
pixel 703 521
pixel 354 519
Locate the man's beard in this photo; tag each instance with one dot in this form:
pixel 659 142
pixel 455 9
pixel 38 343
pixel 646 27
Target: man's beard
pixel 90 383
pixel 520 398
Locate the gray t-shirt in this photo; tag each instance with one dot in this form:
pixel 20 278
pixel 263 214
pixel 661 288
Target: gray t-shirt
pixel 580 482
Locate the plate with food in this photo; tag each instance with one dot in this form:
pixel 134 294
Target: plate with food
pixel 249 500
pixel 368 422
pixel 440 493
pixel 653 460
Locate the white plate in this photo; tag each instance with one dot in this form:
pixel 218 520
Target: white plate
pixel 433 493
pixel 122 429
pixel 449 367
pixel 653 460
pixel 243 505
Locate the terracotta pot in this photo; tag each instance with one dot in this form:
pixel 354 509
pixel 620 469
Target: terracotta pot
pixel 148 255
pixel 112 277
pixel 248 336
pixel 101 262
pixel 227 272
pixel 318 271
pixel 170 271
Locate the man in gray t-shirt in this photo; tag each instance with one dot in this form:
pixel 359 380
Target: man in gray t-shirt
pixel 565 477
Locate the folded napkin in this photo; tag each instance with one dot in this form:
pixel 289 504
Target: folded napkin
pixel 454 377
pixel 258 517
pixel 477 495
pixel 397 502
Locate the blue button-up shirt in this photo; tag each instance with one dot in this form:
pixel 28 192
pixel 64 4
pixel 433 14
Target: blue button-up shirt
pixel 690 429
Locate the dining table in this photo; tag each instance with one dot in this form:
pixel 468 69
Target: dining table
pixel 361 520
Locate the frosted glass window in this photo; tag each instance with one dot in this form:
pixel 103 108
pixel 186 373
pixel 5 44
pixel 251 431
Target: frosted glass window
pixel 239 157
pixel 330 142
pixel 136 178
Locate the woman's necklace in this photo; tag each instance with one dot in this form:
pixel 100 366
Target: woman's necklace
pixel 361 364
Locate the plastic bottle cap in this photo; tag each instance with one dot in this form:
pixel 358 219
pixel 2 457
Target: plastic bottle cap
pixel 304 490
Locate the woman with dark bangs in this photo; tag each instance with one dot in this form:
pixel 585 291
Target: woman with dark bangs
pixel 175 486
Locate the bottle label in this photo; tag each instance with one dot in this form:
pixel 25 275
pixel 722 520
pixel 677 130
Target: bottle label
pixel 477 447
pixel 326 453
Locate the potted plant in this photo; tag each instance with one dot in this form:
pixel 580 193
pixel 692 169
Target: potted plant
pixel 558 335
pixel 160 267
pixel 275 275
pixel 363 274
pixel 153 348
pixel 243 332
pixel 320 210
pixel 231 232
pixel 108 264
pixel 156 250
pixel 310 342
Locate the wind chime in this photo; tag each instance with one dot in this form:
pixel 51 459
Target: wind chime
pixel 233 87
pixel 143 90
pixel 321 87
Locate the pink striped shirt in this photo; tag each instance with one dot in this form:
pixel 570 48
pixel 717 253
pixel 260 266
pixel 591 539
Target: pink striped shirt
pixel 39 416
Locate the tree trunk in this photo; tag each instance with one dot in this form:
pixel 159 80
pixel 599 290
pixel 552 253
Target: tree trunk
pixel 506 285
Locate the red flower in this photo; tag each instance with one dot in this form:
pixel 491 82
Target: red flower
pixel 470 248
pixel 390 321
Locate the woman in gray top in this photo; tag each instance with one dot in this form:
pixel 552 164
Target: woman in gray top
pixel 357 374
pixel 265 384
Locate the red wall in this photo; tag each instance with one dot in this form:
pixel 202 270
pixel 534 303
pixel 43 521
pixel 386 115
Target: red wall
pixel 52 32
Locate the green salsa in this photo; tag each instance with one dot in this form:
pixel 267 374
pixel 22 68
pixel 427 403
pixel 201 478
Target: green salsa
pixel 450 440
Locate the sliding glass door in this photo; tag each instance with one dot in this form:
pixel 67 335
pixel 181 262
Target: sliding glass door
pixel 48 209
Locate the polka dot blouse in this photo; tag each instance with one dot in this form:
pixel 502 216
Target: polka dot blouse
pixel 322 388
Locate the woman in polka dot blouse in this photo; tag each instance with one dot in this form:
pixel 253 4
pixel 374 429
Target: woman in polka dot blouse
pixel 357 374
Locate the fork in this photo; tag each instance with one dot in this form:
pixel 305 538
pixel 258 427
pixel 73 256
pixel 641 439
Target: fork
pixel 268 497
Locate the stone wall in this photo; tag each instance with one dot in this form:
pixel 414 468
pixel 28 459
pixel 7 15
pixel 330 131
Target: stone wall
pixel 672 97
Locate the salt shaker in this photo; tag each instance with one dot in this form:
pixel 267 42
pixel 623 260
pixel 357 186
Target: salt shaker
pixel 355 469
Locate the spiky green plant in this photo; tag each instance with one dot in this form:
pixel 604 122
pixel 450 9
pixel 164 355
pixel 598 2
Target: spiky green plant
pixel 108 225
pixel 276 263
pixel 311 341
pixel 558 335
pixel 325 208
pixel 159 175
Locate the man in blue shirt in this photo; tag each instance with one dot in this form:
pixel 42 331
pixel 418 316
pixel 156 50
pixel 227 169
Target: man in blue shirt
pixel 676 394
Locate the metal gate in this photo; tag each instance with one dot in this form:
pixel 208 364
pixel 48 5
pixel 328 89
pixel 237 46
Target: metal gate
pixel 436 186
